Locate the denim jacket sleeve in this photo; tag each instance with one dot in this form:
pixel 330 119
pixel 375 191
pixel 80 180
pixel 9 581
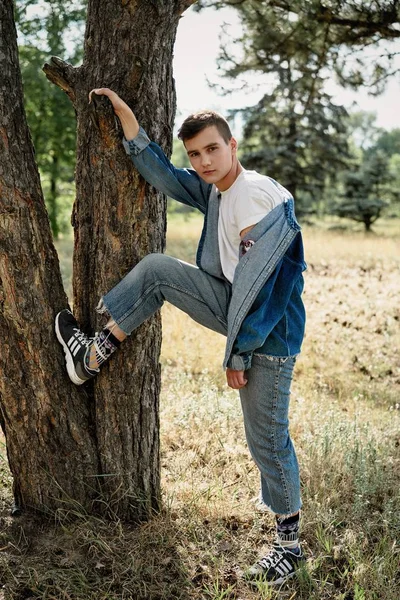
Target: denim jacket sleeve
pixel 183 185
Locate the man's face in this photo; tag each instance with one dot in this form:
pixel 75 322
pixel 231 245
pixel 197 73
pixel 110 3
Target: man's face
pixel 211 156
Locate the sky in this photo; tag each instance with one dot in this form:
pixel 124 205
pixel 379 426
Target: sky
pixel 196 50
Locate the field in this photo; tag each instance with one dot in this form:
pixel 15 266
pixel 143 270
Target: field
pixel 345 421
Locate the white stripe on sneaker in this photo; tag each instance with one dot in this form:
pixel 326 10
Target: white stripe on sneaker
pixel 74 344
pixel 286 565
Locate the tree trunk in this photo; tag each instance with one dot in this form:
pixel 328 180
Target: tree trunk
pixel 367 223
pixel 118 219
pixel 50 437
pixel 97 445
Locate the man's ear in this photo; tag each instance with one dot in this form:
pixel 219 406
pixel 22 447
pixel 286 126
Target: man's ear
pixel 234 144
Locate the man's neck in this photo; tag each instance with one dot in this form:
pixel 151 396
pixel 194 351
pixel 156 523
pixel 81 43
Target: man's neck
pixel 230 177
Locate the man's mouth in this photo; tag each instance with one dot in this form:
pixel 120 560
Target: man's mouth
pixel 209 172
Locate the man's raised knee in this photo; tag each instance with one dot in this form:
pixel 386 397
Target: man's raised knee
pixel 156 261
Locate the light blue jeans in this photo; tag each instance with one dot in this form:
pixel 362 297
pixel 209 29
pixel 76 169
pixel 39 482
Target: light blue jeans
pixel 265 398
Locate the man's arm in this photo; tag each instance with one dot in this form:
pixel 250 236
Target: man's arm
pixel 128 120
pixel 236 379
pixel 183 185
pixel 246 230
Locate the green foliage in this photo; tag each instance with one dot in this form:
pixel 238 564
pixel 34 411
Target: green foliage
pixel 363 130
pixel 333 34
pixel 372 182
pixel 50 28
pixel 296 133
pixel 387 142
pixel 179 155
pixel 363 210
pixel 394 172
pixel 52 124
pixel 304 148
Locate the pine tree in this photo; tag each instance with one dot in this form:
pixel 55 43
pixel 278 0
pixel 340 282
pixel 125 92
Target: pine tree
pixel 296 132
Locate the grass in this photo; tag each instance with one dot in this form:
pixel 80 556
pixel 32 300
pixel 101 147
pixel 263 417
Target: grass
pixel 345 419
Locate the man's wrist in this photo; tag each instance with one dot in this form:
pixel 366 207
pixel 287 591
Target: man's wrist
pixel 137 144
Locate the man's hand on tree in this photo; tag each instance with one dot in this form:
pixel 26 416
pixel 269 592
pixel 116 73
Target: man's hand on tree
pixel 235 379
pixel 118 104
pixel 124 113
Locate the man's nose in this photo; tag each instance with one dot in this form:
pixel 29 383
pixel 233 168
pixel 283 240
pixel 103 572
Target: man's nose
pixel 205 160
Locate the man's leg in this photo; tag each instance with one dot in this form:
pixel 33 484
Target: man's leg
pixel 265 404
pixel 140 294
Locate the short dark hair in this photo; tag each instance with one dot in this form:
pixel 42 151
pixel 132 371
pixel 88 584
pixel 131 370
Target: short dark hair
pixel 198 121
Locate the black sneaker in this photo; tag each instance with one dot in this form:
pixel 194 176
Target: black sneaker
pixel 76 345
pixel 276 567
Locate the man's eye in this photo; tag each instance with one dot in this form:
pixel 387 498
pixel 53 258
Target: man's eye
pixel 193 154
pixel 212 148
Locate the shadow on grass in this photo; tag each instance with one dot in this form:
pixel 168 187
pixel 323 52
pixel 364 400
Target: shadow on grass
pixel 89 558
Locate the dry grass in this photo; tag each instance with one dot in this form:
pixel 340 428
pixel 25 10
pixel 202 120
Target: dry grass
pixel 345 421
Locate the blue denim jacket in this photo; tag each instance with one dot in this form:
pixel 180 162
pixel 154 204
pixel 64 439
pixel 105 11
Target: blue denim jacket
pixel 266 313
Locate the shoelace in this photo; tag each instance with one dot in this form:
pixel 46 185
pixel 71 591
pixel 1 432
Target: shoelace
pixel 100 355
pixel 83 338
pixel 272 559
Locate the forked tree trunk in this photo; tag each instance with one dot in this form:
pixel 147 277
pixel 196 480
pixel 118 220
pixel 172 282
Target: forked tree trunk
pixel 117 220
pixel 50 438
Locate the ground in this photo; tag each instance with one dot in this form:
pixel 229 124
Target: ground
pixel 345 421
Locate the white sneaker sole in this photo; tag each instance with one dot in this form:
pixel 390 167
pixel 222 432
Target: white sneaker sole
pixel 259 579
pixel 68 357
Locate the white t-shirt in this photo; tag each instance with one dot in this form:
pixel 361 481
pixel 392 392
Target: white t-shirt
pixel 249 199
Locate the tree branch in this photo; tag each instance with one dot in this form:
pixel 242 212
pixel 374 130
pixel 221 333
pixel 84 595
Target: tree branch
pixel 383 24
pixel 61 74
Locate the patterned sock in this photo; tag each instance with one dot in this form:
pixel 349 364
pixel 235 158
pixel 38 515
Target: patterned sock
pixel 104 344
pixel 287 531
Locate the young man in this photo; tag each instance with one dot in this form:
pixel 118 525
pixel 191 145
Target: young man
pixel 247 286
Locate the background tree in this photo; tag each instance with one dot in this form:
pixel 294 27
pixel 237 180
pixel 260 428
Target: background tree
pixel 385 142
pixel 303 147
pixel 296 132
pixel 100 442
pixel 47 28
pixel 370 183
pixel 345 28
pixel 363 191
pixel 387 146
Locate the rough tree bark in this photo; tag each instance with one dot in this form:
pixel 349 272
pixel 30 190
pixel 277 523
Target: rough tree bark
pixel 117 220
pixel 50 438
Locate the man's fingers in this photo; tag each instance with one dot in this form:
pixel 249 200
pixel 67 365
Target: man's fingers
pixel 235 379
pixel 243 380
pixel 90 94
pixel 99 92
